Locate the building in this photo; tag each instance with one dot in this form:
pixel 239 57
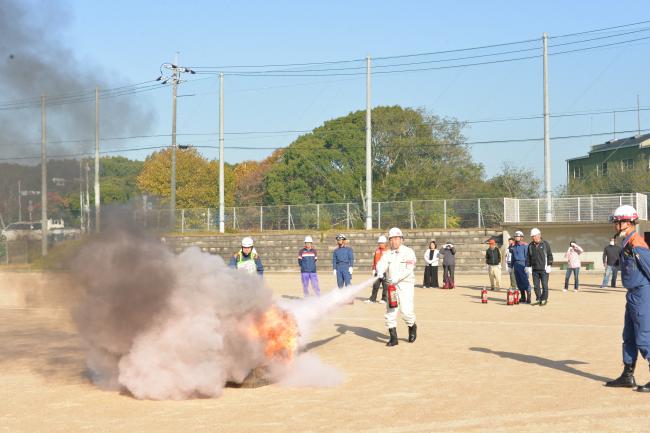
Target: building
pixel 618 154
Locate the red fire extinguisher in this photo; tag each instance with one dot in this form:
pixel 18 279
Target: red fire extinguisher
pixel 516 297
pixel 484 297
pixel 511 297
pixel 392 296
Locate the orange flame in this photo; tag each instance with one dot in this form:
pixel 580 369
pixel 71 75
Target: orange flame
pixel 279 331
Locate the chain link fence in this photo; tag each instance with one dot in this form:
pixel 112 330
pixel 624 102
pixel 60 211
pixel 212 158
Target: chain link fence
pixel 455 213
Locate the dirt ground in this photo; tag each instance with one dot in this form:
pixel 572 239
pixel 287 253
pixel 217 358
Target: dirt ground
pixel 473 368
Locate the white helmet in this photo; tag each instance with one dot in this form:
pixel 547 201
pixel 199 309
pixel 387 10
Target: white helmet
pixel 247 242
pixel 395 232
pixel 382 239
pixel 624 213
pixel 519 233
pixel 535 232
pixel 308 239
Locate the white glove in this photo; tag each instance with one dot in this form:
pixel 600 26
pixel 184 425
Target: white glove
pixel 548 269
pixel 350 269
pixel 529 270
pixel 334 272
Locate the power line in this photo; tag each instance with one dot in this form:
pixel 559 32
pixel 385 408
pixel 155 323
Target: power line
pixel 313 148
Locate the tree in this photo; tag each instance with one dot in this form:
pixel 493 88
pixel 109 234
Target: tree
pixel 414 156
pixel 514 182
pixel 196 179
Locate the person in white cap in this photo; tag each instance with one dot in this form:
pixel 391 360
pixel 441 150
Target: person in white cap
pixel 247 259
pixel 307 257
pixel 398 266
pixel 342 262
pixel 518 253
pixel 380 281
pixel 538 262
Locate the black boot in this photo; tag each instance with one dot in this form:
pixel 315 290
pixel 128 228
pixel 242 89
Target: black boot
pixel 413 333
pixel 393 337
pixel 643 388
pixel 626 380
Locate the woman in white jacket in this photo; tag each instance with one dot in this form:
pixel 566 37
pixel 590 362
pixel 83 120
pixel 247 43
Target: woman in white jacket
pixel 431 261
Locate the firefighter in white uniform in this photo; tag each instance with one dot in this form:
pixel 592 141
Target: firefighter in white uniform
pixel 397 266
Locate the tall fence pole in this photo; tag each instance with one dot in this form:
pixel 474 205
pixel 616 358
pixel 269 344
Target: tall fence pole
pixel 347 215
pixel 234 218
pixel 222 224
pixel 368 150
pixel 479 213
pixel 317 216
pixel 444 211
pixel 379 215
pixel 547 139
pixel 261 218
pixel 43 180
pixel 288 217
pixel 208 219
pixel 411 213
pixel 182 220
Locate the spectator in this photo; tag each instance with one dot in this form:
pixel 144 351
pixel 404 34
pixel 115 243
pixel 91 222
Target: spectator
pixel 573 265
pixel 611 262
pixel 518 259
pixel 511 271
pixel 493 264
pixel 307 258
pixel 381 281
pixel 343 262
pixel 538 262
pixel 448 254
pixel 431 260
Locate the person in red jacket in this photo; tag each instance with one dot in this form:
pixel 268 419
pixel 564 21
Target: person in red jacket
pixel 381 249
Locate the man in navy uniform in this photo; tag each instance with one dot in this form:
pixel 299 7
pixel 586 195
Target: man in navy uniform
pixel 343 262
pixel 635 274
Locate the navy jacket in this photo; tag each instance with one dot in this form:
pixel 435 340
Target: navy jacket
pixel 307 260
pixel 343 257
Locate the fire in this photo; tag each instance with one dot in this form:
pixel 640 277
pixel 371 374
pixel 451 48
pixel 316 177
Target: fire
pixel 278 329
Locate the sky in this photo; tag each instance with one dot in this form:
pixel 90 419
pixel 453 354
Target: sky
pixel 125 42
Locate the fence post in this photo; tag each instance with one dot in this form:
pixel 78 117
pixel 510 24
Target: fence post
pixel 318 217
pixel 479 213
pixel 208 219
pixel 591 205
pixel 234 218
pixel 379 215
pixel 537 210
pixel 411 213
pixel 578 208
pixel 182 220
pixel 288 217
pixel 261 218
pixel 347 215
pixel 444 211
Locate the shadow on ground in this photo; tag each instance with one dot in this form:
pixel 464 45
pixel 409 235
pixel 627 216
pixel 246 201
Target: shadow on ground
pixel 564 365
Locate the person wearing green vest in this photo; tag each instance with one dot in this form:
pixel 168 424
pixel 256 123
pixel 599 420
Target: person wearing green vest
pixel 247 259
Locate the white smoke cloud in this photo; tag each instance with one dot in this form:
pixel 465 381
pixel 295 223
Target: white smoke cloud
pixel 165 326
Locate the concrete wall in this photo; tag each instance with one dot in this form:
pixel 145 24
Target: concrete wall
pixel 279 250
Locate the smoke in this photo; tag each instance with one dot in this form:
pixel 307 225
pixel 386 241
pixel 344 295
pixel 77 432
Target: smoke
pixel 165 326
pixel 33 61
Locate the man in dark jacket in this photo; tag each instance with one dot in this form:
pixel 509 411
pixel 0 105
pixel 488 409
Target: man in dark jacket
pixel 493 264
pixel 307 258
pixel 539 261
pixel 611 262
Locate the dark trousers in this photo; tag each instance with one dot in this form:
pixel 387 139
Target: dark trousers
pixel 540 277
pixel 448 273
pixel 375 288
pixel 430 276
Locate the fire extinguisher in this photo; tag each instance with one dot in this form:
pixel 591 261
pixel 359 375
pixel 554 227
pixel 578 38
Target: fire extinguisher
pixel 516 297
pixel 484 297
pixel 511 297
pixel 392 296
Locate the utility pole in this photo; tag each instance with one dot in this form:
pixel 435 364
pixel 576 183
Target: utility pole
pixel 175 78
pixel 43 181
pixel 222 225
pixel 614 124
pixel 87 204
pixel 368 150
pixel 547 142
pixel 20 205
pixel 97 193
pixel 82 219
pixel 172 196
